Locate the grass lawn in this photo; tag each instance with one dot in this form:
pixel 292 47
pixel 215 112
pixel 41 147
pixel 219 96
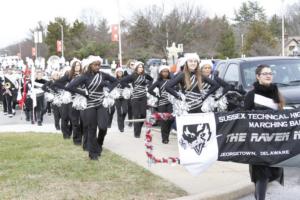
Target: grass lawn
pixel 44 166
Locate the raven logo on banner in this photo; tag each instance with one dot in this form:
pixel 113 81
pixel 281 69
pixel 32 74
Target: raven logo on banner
pixel 195 136
pixel 197 141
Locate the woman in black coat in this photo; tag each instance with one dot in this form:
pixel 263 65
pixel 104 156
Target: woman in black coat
pixel 261 174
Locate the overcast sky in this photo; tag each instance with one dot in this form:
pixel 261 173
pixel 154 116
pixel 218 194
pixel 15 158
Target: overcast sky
pixel 18 16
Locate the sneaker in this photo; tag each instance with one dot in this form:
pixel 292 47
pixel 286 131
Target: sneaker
pixel 14 112
pixel 10 115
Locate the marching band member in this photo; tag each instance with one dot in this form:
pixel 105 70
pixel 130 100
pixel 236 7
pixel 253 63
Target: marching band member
pixel 121 103
pixel 40 98
pixel 139 80
pixel 9 92
pixel 96 114
pixel 163 103
pixel 48 87
pixel 265 89
pixel 191 81
pixel 128 71
pixel 69 114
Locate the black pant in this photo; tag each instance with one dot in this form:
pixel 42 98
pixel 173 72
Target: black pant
pixel 7 103
pixel 111 112
pixel 74 116
pixel 261 188
pixel 57 115
pixel 96 117
pixel 139 108
pixel 40 108
pixel 122 109
pixel 130 113
pixel 165 125
pixel 84 128
pixel 48 108
pixel 66 126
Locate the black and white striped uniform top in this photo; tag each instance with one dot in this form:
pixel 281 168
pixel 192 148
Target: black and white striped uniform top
pixel 194 96
pixel 94 84
pixel 163 94
pixel 139 84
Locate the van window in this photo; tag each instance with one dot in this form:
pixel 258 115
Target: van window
pixel 232 73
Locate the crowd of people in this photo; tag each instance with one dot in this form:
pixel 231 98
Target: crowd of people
pixel 83 99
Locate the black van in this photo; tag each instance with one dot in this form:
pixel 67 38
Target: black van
pixel 240 72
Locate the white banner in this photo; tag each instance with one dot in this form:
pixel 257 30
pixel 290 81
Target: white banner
pixel 197 142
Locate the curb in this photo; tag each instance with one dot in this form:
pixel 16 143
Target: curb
pixel 230 195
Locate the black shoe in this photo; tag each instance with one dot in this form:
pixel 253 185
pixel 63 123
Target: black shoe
pixel 57 128
pixel 122 130
pixel 93 157
pixel 77 143
pixel 137 136
pixel 32 122
pixel 39 123
pixel 27 119
pixel 66 137
pixel 165 141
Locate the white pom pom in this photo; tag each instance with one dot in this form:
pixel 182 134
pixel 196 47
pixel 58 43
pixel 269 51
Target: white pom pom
pixel 79 102
pixel 208 104
pixel 66 97
pixel 49 97
pixel 152 100
pixel 222 104
pixel 179 107
pixel 108 101
pixel 115 93
pixel 126 93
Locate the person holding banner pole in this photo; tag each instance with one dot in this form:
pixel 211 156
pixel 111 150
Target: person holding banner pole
pixel 264 96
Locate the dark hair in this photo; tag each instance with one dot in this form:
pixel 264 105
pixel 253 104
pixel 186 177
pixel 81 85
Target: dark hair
pixel 161 78
pixel 259 68
pixel 72 71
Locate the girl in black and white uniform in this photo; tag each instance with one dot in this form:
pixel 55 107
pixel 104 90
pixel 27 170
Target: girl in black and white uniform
pixel 139 80
pixel 96 115
pixel 192 81
pixel 164 106
pixel 68 112
pixel 121 103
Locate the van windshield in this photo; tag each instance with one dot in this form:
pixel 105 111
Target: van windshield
pixel 285 72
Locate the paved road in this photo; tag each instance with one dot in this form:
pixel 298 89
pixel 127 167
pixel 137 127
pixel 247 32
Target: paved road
pixel 290 191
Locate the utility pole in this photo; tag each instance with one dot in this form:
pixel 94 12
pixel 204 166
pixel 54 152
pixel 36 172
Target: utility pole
pixel 282 28
pixel 120 37
pixel 62 40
